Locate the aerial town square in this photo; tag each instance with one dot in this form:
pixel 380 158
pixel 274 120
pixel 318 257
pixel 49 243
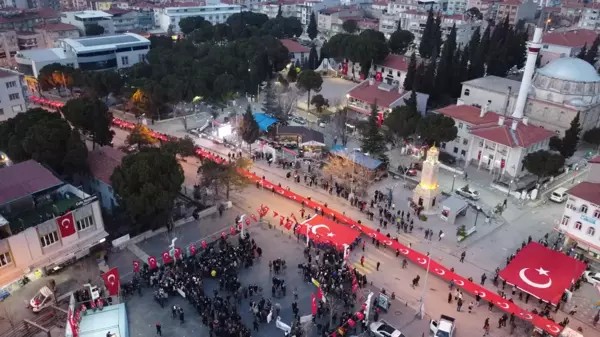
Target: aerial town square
pixel 328 168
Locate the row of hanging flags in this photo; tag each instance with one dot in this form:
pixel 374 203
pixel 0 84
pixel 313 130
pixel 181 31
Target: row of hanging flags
pixel 191 249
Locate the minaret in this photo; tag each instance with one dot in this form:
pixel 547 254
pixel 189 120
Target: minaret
pixel 428 190
pixel 533 48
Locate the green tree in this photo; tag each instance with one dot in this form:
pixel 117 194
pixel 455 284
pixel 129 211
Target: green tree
pixel 427 39
pixel 279 12
pixel 147 184
pixel 461 71
pixel 477 63
pixel 496 62
pixel 292 74
pixel 410 73
pixel 224 175
pixel 372 141
pixel 271 104
pixel 313 58
pixel 184 147
pixel 56 76
pixel 419 78
pixel 555 143
pixel 582 52
pixel 309 80
pixel 319 102
pixel 592 53
pixel 93 30
pixel 402 121
pixel 140 136
pixel 474 44
pixel 249 128
pixel 437 128
pixel 190 24
pixel 92 117
pixel 75 159
pixel 311 30
pixel 350 26
pixel 445 67
pixel 221 32
pixel 400 40
pixel 571 138
pixel 224 86
pixel 543 163
pixel 592 136
pixel 370 47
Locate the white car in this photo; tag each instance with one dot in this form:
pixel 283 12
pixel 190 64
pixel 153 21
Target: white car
pixel 468 193
pixel 591 277
pixel 383 329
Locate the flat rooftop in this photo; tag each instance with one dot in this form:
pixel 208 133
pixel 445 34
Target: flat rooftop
pixel 89 14
pixel 106 41
pixel 112 318
pixel 496 84
pixel 44 55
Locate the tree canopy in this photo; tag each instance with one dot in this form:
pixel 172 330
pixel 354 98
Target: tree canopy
pixel 373 141
pixel 402 122
pixel 309 80
pixel 368 47
pixel 571 139
pixel 249 128
pixel 224 175
pixel 543 163
pixel 311 30
pixel 91 117
pixel 184 147
pixel 93 30
pixel 400 40
pixel 147 183
pixel 350 26
pixel 46 138
pixel 437 128
pixel 140 136
pixel 592 136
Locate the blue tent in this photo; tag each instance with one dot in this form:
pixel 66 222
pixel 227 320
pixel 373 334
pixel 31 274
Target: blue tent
pixel 357 157
pixel 264 120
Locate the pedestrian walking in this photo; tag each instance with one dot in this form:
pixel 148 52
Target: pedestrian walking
pixel 483 278
pixel 378 264
pixel 490 306
pixel 459 305
pixel 477 299
pixel 451 285
pixel 462 257
pixel 158 329
pixel 255 323
pixel 449 297
pixel 470 307
pixel 440 235
pixel 174 312
pixel 486 327
pixel 362 260
pixel 181 317
pixel 573 311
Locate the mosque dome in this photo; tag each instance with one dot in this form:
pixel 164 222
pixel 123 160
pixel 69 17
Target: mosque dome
pixel 570 69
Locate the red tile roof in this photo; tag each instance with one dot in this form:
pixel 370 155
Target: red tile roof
pixel 469 114
pixel 571 38
pixel 23 179
pixel 587 191
pixel 23 15
pixel 55 26
pixel 293 46
pixel 118 11
pixel 595 160
pixel 523 136
pixel 396 62
pixel 371 93
pixel 103 161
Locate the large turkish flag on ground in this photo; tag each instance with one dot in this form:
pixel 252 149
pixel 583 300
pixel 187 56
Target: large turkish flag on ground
pixel 112 281
pixel 66 225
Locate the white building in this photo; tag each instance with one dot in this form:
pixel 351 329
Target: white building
pixel 568 43
pixel 168 17
pixel 415 21
pixel 106 52
pixel 369 92
pixel 44 222
pixel 493 142
pixel 298 53
pixel 393 69
pixel 590 17
pixel 82 19
pixel 125 20
pixel 13 94
pixel 560 90
pixel 582 214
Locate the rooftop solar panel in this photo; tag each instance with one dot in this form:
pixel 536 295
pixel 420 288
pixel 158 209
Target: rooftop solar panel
pixel 107 40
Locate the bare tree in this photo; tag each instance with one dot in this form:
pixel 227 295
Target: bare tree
pixel 349 173
pixel 333 305
pixel 288 101
pixel 339 127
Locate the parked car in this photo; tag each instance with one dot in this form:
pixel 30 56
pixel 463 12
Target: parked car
pixel 299 120
pixel 417 166
pixel 559 195
pixel 409 171
pixel 591 277
pixel 468 192
pixel 447 158
pixel 383 329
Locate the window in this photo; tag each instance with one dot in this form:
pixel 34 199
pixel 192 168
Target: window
pixel 84 223
pixel 455 150
pixel 597 214
pixel 460 125
pixel 467 92
pixel 1 111
pixel 463 153
pixel 5 259
pixel 591 231
pixel 125 60
pixel 578 225
pixel 49 239
pixel 465 141
pixel 11 84
pixel 583 209
pixel 13 97
pixel 565 221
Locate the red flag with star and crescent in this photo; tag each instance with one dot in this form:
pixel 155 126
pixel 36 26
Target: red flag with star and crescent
pixel 112 281
pixel 322 229
pixel 275 214
pixel 313 304
pixel 136 266
pixel 152 262
pixel 177 253
pixel 166 257
pixel 66 225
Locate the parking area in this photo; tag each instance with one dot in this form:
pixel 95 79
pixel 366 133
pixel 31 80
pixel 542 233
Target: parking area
pixel 333 89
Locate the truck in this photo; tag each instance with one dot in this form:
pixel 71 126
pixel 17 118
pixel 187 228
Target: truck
pixel 444 327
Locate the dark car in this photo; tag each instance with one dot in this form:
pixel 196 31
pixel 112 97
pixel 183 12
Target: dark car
pixel 409 171
pixel 447 158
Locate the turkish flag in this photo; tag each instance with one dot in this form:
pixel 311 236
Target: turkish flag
pixel 112 281
pixel 313 304
pixel 289 224
pixel 136 266
pixel 177 253
pixel 254 218
pixel 247 222
pixel 319 293
pixel 166 257
pixel 152 262
pixel 275 214
pixel 192 249
pixel 281 218
pixel 66 224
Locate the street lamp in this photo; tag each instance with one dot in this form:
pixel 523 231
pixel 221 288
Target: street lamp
pixel 453 180
pixel 424 292
pixel 477 215
pixel 508 191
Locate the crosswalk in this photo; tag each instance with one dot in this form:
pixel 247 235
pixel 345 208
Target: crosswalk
pixel 369 266
pixel 373 255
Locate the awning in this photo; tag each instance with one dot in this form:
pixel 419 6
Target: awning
pixel 359 158
pixel 264 120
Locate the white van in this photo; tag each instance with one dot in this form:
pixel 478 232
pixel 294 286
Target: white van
pixel 559 195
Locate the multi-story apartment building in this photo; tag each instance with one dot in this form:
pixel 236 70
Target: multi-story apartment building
pixel 271 9
pixel 582 214
pixel 44 222
pixel 83 19
pixel 125 20
pixel 515 10
pixel 168 17
pixel 103 52
pixel 414 21
pixel 26 20
pixel 8 47
pixel 330 19
pixel 590 17
pixel 565 44
pixel 13 94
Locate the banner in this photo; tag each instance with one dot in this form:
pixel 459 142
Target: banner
pixel 66 225
pixel 112 281
pixel 313 304
pixel 136 266
pixel 192 249
pixel 152 263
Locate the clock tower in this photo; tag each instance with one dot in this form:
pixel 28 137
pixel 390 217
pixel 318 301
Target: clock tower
pixel 426 194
